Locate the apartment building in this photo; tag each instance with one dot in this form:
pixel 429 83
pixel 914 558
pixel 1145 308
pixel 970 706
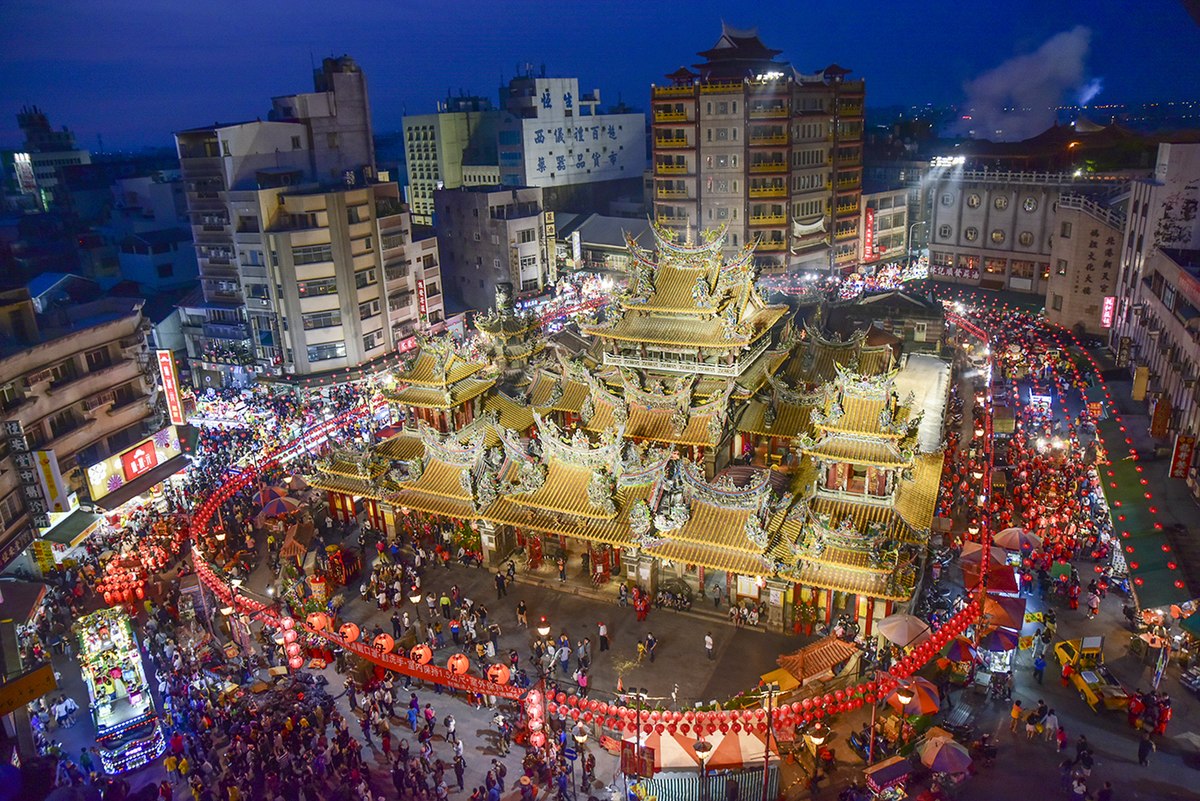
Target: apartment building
pixel 439 147
pixel 47 151
pixel 493 235
pixel 76 385
pixel 1084 260
pixel 745 141
pixel 883 226
pixel 1156 331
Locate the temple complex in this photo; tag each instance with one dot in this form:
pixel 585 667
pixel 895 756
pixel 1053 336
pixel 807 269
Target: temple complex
pixel 696 434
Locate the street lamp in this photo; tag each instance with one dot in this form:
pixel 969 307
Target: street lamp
pixel 543 627
pixel 818 734
pixel 580 734
pixel 904 695
pixel 703 750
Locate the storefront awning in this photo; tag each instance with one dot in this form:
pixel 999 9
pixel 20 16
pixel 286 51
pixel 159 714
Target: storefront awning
pixel 74 526
pixel 143 483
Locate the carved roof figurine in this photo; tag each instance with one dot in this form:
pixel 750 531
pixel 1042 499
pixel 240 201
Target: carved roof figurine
pixel 442 375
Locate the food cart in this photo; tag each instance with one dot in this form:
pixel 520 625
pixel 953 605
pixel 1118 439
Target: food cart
pixel 1091 677
pixel 886 779
pixel 127 727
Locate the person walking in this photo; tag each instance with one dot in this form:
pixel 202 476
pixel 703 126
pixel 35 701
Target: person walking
pixel 1146 747
pixel 522 614
pixel 562 570
pixel 1050 724
pixel 603 629
pixel 1039 668
pixel 1015 715
pixel 501 589
pixel 651 644
pixel 708 644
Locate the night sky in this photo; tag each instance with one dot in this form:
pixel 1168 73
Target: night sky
pixel 136 70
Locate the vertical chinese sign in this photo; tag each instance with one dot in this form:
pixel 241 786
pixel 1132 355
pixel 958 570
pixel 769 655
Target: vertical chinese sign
pixel 170 383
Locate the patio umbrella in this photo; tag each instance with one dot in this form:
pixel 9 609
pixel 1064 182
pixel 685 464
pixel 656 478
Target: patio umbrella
pixel 999 639
pixel 904 630
pixel 999 610
pixel 944 755
pixel 1014 539
pixel 924 701
pixel 268 494
pixel 999 578
pixel 961 650
pixel 296 484
pixel 280 507
pixel 972 554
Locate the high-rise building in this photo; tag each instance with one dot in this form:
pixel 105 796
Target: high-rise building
pixel 555 137
pixel 438 147
pixel 294 240
pixel 494 235
pixel 746 142
pixel 1158 296
pixel 1084 256
pixel 46 152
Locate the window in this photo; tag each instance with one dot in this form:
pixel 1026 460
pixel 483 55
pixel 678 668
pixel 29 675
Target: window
pixel 331 140
pixel 1057 303
pixel 1001 202
pixel 948 199
pixel 295 143
pixel 1026 238
pixel 372 340
pixel 98 359
pixel 971 234
pixel 333 350
pixel 1065 231
pixel 722 134
pixel 945 231
pixel 356 214
pixel 996 266
pixel 368 310
pixel 1061 267
pixel 311 254
pixel 973 200
pixel 365 278
pixel 1030 205
pixel 527 235
pixel 317 286
pixel 325 319
pixel 998 237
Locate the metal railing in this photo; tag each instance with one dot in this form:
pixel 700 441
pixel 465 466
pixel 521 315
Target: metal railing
pixel 1093 209
pixel 681 366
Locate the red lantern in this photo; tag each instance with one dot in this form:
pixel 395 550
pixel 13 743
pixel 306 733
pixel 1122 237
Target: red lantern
pixel 296 662
pixel 459 663
pixel 659 728
pixel 561 698
pixel 499 673
pixel 289 635
pixel 292 649
pixel 421 654
pixel 736 727
pixel 685 728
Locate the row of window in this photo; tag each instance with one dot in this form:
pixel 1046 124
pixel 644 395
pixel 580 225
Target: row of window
pixel 1000 202
pixel 998 236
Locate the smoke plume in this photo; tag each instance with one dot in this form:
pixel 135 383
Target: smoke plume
pixel 1016 100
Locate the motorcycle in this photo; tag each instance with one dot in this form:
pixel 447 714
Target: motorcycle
pixel 983 751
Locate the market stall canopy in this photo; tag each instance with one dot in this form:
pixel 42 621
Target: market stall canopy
pixel 298 540
pixel 278 507
pixel 999 639
pixel 817 658
pixel 731 751
pixel 961 650
pixel 944 755
pixel 143 483
pixel 925 698
pixel 72 528
pixel 904 630
pixel 296 484
pixel 972 554
pixel 1002 610
pixel 267 494
pixel 1015 539
pixel 1000 578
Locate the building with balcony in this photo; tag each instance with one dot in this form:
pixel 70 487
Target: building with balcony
pixel 313 142
pixel 1084 258
pixel 439 147
pixel 994 229
pixel 555 137
pixel 38 168
pixel 744 141
pixel 489 236
pixel 883 225
pixel 77 385
pixel 1156 330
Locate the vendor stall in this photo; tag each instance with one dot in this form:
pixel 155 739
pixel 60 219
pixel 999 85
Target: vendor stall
pixel 886 779
pixel 127 727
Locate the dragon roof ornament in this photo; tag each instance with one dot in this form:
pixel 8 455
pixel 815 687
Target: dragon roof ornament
pixel 577 449
pixel 461 450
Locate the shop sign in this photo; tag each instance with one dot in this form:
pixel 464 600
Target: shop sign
pixel 635 764
pixel 1107 310
pixel 869 235
pixel 1181 455
pixel 27 688
pixel 170 382
pixel 1160 420
pixel 421 305
pixel 15 546
pixel 27 473
pixel 54 490
pixel 1123 348
pixel 115 472
pixel 139 461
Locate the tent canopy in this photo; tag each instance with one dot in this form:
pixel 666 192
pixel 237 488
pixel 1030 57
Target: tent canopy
pixel 731 751
pixel 816 658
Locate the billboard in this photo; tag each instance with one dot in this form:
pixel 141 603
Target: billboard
pixel 116 471
pixel 869 236
pixel 1107 310
pixel 170 383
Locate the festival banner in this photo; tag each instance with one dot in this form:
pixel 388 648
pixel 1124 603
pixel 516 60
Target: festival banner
pixel 170 382
pixel 1181 455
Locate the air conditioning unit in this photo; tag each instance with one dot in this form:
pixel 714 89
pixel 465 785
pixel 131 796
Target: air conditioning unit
pixel 39 377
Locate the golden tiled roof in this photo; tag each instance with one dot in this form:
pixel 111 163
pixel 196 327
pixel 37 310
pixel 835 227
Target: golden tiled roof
pixel 426 397
pixel 799 369
pixel 440 479
pixel 916 500
pixel 673 288
pixel 565 490
pixel 754 376
pixel 686 331
pixel 844 579
pixel 403 446
pixel 862 515
pixel 877 452
pixel 424 370
pixel 571 399
pixel 714 537
pixel 344 485
pixel 875 360
pixel 656 425
pixel 791 420
pixel 513 416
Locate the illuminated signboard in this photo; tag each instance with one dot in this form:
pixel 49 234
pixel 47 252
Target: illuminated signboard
pixel 869 235
pixel 1181 455
pixel 421 306
pixel 170 383
pixel 116 471
pixel 1106 311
